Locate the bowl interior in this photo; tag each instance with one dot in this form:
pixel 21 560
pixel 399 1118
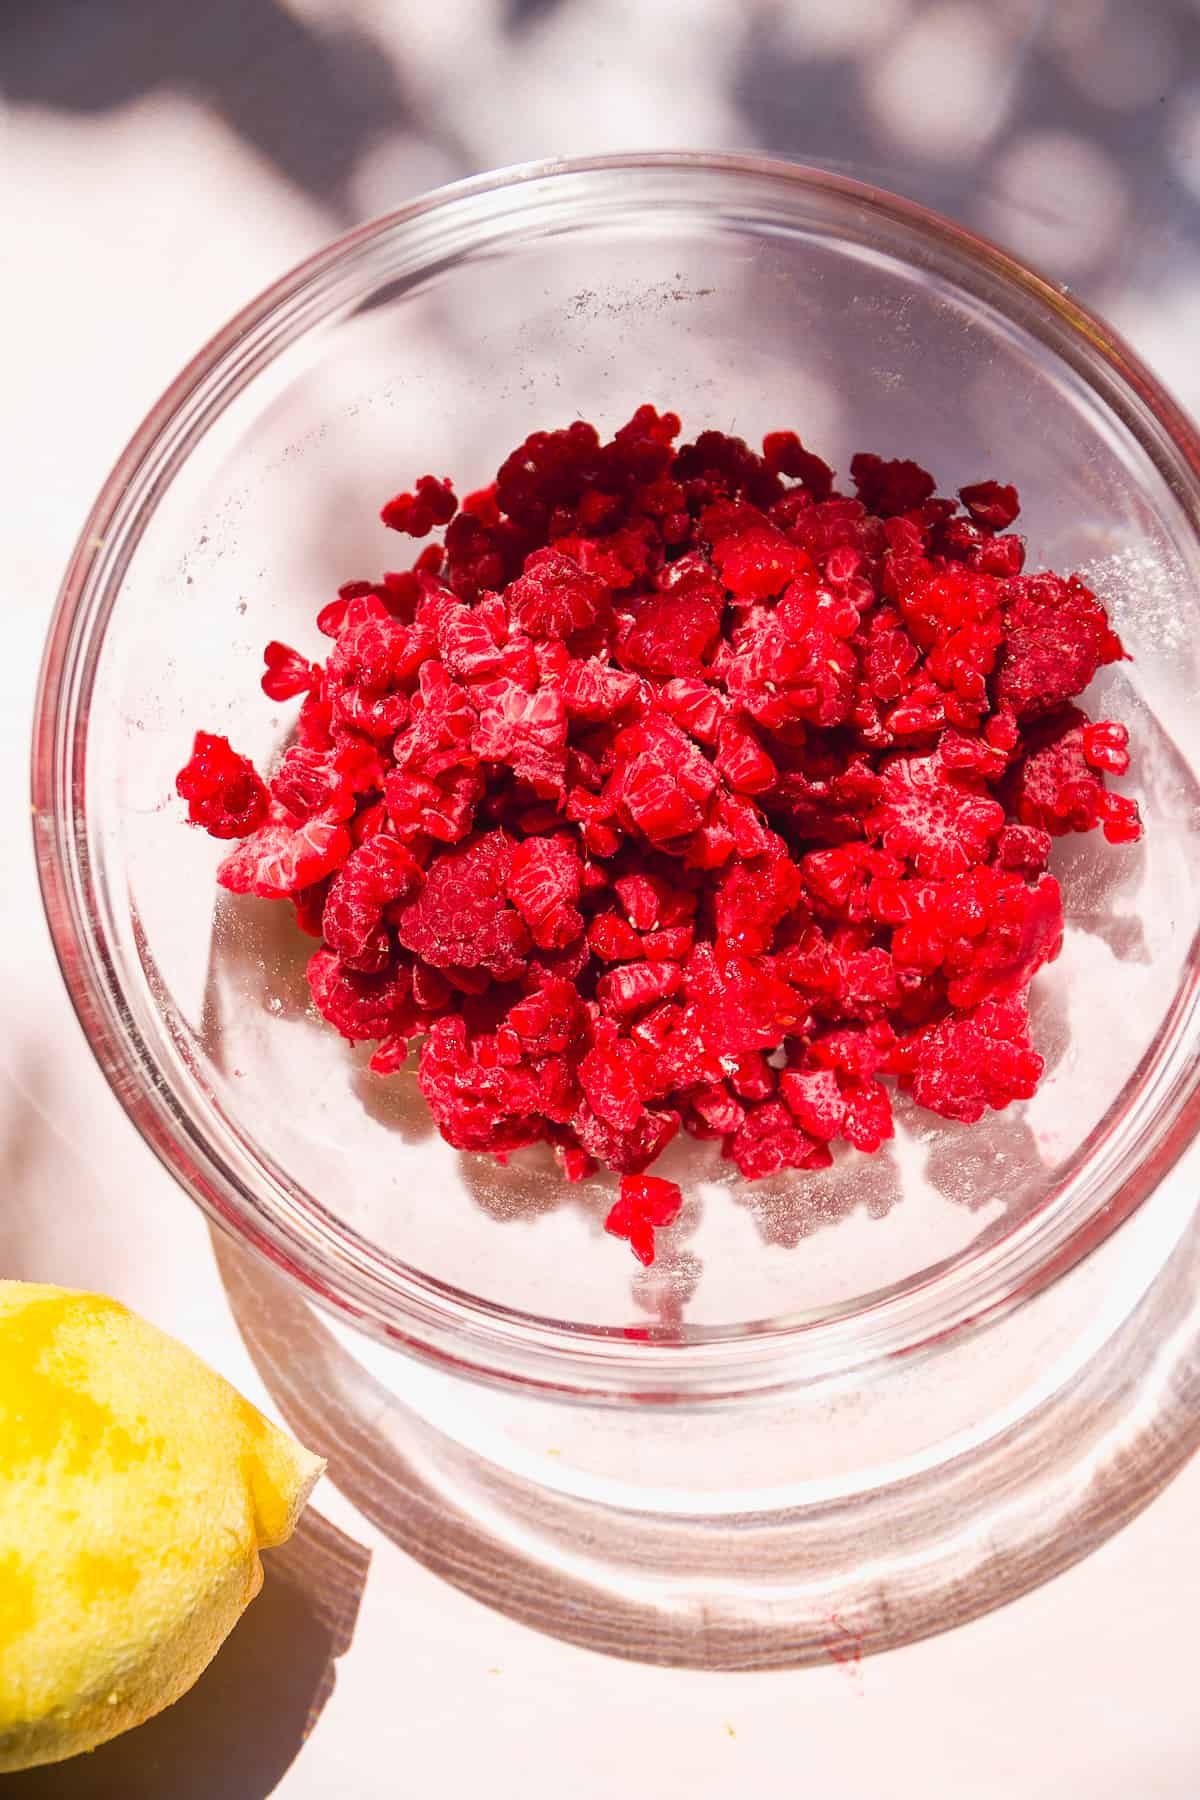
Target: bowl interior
pixel 745 303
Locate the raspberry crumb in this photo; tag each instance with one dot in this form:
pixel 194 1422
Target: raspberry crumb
pixel 671 787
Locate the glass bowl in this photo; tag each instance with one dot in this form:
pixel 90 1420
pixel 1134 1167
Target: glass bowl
pixel 748 296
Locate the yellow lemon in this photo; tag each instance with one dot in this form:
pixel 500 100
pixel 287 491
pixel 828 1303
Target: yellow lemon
pixel 136 1490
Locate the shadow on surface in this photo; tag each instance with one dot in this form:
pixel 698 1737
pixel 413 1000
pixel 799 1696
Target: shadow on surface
pixel 236 1733
pixel 311 101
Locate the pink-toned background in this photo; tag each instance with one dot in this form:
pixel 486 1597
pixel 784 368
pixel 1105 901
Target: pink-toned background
pixel 163 160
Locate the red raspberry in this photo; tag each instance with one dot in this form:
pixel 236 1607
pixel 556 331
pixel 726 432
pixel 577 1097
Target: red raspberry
pixel 432 504
pixel 222 789
pixel 647 1204
pixel 461 918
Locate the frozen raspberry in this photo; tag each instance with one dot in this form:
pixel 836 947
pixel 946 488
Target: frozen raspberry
pixel 740 1002
pixel 753 557
pixel 635 986
pixel 612 1075
pixel 222 789
pixel 432 504
pixel 443 809
pixel 525 732
pixel 461 917
pixel 467 646
pixel 652 903
pixel 1056 637
pixel 647 1204
pixel 1023 847
pixel 769 1139
pixel 627 1151
pixel 673 632
pixel 795 662
pixel 372 877
pixel 360 1006
pixel 554 598
pixel 1056 788
pixel 889 487
pixel 867 1122
pixel 972 1061
pixel 287 672
pixel 278 861
pixel 815 1098
pixel 991 504
pixel 544 883
pixel 576 1164
pixel 695 706
pixel 742 760
pixel 934 818
pixel 478 1103
pixel 752 898
pixel 443 721
pixel 592 691
pixel 784 454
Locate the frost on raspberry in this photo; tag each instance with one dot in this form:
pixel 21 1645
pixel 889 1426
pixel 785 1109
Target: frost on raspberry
pixel 278 861
pixel 526 732
pixel 461 918
pixel 223 790
pixel 934 818
pixel 1057 635
pixel 972 1061
pixel 647 1204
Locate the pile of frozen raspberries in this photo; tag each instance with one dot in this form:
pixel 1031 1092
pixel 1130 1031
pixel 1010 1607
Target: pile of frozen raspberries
pixel 676 789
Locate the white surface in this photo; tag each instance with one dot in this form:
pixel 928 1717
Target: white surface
pixel 158 173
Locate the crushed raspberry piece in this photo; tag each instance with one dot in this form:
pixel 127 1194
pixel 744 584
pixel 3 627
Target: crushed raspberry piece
pixel 380 872
pixel 890 487
pixel 278 861
pixel 784 454
pixel 432 504
pixel 526 732
pixel 544 883
pixel 647 1203
pixel 670 787
pixel 1058 788
pixel 674 632
pixel 223 790
pixel 287 672
pixel 991 504
pixel 635 986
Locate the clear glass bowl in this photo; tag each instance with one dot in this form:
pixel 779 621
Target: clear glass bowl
pixel 748 296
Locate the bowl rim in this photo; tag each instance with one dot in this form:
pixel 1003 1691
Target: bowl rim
pixel 458 1330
